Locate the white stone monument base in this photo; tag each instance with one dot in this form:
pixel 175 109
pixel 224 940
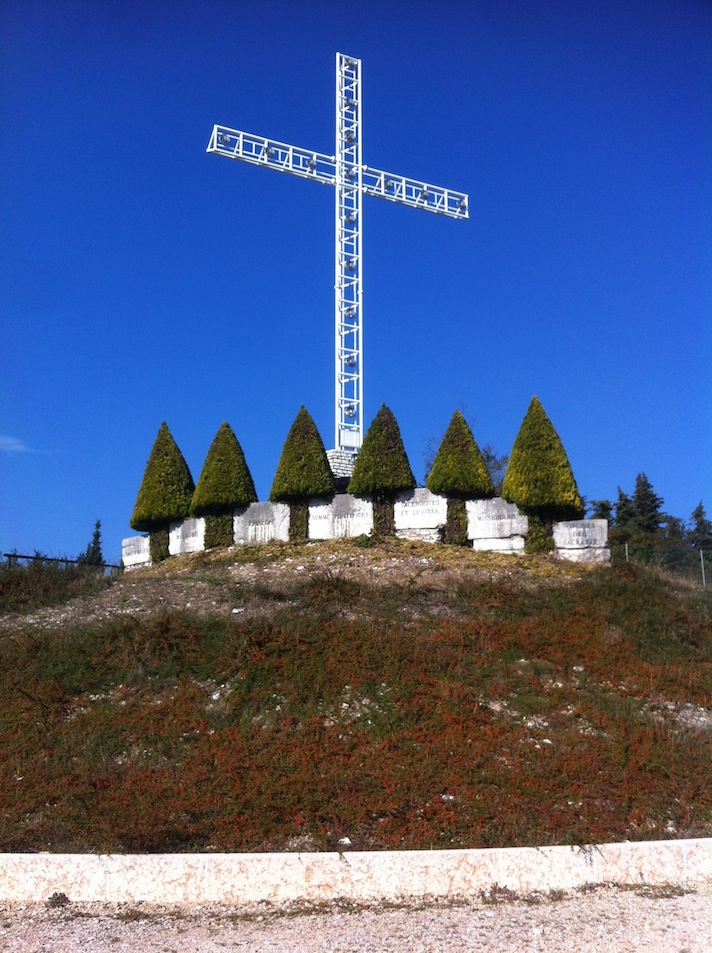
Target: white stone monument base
pixel 420 514
pixel 186 536
pixel 510 544
pixel 135 552
pixel 261 523
pixel 582 541
pixel 345 516
pixel 496 526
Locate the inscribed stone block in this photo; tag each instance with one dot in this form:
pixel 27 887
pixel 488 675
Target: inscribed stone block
pixel 344 516
pixel 580 534
pixel 494 519
pixel 186 536
pixel 419 509
pixel 261 523
pixel 135 551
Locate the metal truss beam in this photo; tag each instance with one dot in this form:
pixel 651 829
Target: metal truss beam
pixel 352 179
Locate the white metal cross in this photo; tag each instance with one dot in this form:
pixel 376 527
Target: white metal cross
pixel 352 179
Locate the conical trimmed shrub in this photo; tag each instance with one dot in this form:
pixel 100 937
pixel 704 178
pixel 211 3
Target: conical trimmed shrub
pixel 539 478
pixel 303 470
pixel 225 481
pixel 166 489
pixel 459 469
pixel 382 467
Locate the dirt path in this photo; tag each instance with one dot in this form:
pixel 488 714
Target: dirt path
pixel 604 921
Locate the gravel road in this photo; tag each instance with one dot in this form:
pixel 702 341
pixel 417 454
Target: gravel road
pixel 607 920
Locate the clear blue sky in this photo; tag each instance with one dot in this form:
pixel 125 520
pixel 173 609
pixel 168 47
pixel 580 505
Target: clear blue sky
pixel 142 280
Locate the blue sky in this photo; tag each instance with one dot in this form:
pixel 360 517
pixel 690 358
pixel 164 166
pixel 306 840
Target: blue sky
pixel 142 280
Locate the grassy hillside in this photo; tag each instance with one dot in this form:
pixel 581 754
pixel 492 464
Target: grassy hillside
pixel 401 696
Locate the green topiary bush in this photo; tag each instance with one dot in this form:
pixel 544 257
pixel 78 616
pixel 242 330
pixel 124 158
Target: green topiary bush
pixel 303 472
pixel 459 470
pixel 167 487
pixel 539 478
pixel 225 481
pixel 225 484
pixel 219 531
pixel 382 469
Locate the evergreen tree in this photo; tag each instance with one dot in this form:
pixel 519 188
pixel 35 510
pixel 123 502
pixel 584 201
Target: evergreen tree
pixel 382 469
pixel 699 533
pixel 303 472
pixel 539 478
pixel 93 556
pixel 601 510
pixel 225 484
pixel 459 472
pixel 646 504
pixel 382 465
pixel 459 469
pixel 625 511
pixel 165 493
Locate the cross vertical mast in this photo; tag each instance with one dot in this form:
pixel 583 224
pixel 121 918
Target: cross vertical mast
pixel 348 296
pixel 344 170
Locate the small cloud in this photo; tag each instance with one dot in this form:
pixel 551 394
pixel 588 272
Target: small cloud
pixel 13 445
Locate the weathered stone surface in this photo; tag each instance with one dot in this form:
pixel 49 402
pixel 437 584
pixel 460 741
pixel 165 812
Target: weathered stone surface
pixel 511 544
pixel 594 554
pixel 344 516
pixel 419 514
pixel 360 876
pixel 582 541
pixel 341 462
pixel 261 523
pixel 495 519
pixel 186 536
pixel 580 534
pixel 135 551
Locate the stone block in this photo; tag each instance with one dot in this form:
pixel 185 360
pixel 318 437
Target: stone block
pixel 582 541
pixel 186 536
pixel 511 544
pixel 580 534
pixel 344 516
pixel 419 514
pixel 261 523
pixel 494 519
pixel 135 551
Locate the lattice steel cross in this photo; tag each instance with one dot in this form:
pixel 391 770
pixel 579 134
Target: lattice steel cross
pixel 352 179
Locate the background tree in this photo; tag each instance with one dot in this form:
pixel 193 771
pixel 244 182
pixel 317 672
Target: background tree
pixel 382 469
pixel 93 555
pixel 165 493
pixel 647 514
pixel 601 510
pixel 303 472
pixel 625 511
pixel 699 533
pixel 459 472
pixel 496 464
pixel 539 478
pixel 225 484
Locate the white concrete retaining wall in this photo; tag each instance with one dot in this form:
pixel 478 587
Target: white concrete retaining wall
pixel 358 876
pixel 492 525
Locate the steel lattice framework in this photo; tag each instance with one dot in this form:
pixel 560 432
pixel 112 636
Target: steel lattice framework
pixel 352 179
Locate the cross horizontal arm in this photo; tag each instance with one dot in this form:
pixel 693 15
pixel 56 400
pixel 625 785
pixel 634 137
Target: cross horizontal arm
pixel 314 165
pixel 276 155
pixel 405 191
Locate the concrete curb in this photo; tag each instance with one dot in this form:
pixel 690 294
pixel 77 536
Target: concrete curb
pixel 358 876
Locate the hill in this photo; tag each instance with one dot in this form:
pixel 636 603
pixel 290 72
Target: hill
pixel 398 695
